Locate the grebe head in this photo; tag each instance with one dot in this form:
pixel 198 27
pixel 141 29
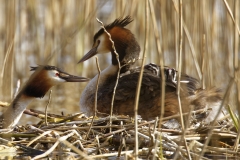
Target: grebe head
pixel 45 77
pixel 124 41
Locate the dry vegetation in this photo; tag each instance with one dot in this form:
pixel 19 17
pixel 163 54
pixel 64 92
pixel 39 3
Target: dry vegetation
pixel 60 32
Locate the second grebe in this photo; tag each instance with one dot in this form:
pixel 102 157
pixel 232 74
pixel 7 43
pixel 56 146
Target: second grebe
pixel 150 96
pixel 37 86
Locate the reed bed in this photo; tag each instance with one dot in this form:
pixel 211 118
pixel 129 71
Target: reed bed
pixel 200 38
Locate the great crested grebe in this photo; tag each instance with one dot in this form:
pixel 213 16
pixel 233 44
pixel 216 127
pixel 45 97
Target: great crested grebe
pixel 150 96
pixel 37 86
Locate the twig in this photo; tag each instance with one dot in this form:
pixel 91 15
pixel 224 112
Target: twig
pixel 49 100
pixel 111 154
pixel 49 150
pixel 233 19
pixel 99 74
pixel 235 58
pixel 179 79
pixel 75 149
pixel 40 136
pixel 118 74
pixel 95 102
pixel 113 126
pixel 140 80
pixel 155 140
pixel 5 142
pixel 122 141
pixel 157 37
pixel 203 61
pixel 100 120
pixel 6 58
pixel 80 145
pixel 190 42
pixel 236 39
pixel 35 129
pixel 98 145
pixel 180 64
pixel 67 118
pixel 41 114
pixel 161 59
pixel 186 113
pixel 55 144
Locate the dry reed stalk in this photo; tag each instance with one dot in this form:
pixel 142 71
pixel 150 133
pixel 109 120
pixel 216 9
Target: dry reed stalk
pixel 154 141
pixel 236 37
pixel 232 17
pixel 49 100
pixel 5 142
pixel 98 144
pixel 161 59
pixel 236 67
pixel 35 129
pixel 99 120
pixel 60 139
pixel 96 93
pixel 99 74
pixel 40 136
pixel 139 84
pixel 179 79
pixel 6 59
pixel 63 128
pixel 122 141
pixel 203 61
pixel 118 74
pixel 189 40
pixel 79 152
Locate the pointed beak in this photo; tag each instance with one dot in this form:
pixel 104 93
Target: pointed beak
pixel 91 53
pixel 71 78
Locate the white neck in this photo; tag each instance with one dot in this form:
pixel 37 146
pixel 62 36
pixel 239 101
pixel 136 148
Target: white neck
pixel 89 91
pixel 14 112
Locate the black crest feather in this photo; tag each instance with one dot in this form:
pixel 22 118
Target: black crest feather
pixel 119 22
pixel 45 67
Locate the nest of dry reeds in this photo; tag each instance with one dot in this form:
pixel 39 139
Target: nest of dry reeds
pixel 80 137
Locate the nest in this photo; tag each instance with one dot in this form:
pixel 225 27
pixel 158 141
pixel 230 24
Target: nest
pixel 80 137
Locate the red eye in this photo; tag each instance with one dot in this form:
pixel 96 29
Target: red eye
pixel 57 74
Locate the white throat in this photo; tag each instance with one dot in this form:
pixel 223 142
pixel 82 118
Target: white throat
pixel 88 94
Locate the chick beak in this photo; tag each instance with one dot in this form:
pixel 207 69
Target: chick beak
pixel 91 53
pixel 71 78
